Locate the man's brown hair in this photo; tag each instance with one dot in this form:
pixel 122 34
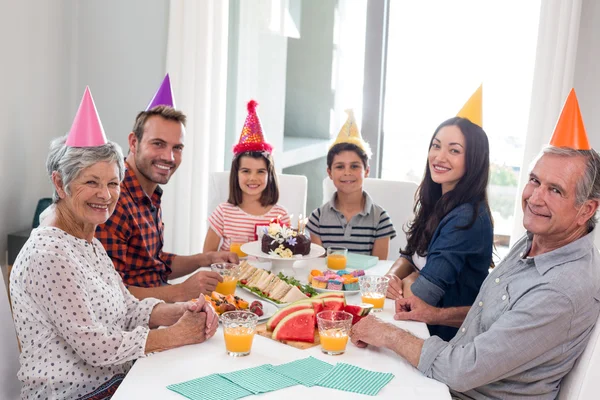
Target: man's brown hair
pixel 166 112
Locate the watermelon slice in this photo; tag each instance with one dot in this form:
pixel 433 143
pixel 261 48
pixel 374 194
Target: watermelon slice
pixel 298 326
pixel 358 311
pixel 333 304
pixel 329 294
pixel 284 312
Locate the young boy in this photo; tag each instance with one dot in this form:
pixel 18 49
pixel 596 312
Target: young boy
pixel 351 219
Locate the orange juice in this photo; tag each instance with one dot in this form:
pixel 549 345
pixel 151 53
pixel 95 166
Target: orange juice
pixel 238 339
pixel 237 249
pixel 333 341
pixel 227 286
pixel 376 299
pixel 336 261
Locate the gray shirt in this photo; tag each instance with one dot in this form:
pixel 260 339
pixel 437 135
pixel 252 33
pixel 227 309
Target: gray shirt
pixel 357 235
pixel 529 324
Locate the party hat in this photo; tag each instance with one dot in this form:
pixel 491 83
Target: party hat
pixel 350 134
pixel 86 130
pixel 569 130
pixel 472 110
pixel 252 138
pixel 163 96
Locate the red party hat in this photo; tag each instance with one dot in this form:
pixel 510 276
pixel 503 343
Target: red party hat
pixel 252 138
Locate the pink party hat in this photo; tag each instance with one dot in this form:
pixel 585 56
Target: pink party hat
pixel 86 130
pixel 163 96
pixel 252 137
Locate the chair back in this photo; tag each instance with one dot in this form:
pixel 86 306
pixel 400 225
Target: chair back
pixel 395 197
pixel 292 192
pixel 10 387
pixel 583 382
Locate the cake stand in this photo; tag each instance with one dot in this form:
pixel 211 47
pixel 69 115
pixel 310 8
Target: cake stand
pixel 278 264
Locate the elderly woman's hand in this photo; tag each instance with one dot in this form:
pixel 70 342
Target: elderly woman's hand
pixel 191 328
pixel 212 319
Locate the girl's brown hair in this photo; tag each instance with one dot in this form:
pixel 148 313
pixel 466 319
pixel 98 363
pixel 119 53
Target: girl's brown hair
pixel 270 196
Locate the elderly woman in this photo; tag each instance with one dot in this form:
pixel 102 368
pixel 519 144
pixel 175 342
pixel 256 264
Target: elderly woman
pixel 79 327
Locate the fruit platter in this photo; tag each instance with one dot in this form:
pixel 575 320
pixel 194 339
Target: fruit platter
pixel 335 281
pixel 278 289
pixel 223 303
pixel 296 324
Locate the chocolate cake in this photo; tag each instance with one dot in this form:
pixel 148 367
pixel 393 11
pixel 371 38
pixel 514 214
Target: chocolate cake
pixel 279 239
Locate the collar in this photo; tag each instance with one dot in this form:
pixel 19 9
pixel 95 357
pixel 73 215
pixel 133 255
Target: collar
pixel 366 209
pixel 570 252
pixel 133 186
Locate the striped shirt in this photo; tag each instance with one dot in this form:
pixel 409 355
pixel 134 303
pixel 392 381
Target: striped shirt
pixel 358 235
pixel 231 222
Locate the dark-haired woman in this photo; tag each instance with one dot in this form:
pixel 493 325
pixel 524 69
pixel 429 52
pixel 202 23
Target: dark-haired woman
pixel 449 242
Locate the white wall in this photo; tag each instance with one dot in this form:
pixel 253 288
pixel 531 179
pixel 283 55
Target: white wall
pixel 587 73
pixel 51 51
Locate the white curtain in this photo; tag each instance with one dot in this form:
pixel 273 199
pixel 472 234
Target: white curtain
pixel 197 64
pixel 553 78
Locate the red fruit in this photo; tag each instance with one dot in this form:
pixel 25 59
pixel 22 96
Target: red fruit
pixel 284 312
pixel 358 312
pixel 299 326
pixel 333 304
pixel 256 303
pixel 257 310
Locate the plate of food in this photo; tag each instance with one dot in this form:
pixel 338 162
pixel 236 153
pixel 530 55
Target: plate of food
pixel 280 242
pixel 335 281
pixel 222 303
pixel 277 289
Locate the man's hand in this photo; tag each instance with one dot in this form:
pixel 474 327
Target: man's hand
pixel 394 290
pixel 371 330
pixel 222 256
pixel 202 282
pixel 414 309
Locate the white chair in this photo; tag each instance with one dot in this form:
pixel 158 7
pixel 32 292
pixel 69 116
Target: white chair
pixel 10 387
pixel 583 382
pixel 395 197
pixel 292 192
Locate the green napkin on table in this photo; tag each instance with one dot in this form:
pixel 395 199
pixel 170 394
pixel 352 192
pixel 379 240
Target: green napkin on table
pixel 260 379
pixel 305 371
pixel 355 379
pixel 211 387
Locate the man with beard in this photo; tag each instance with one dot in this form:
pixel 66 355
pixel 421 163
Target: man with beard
pixel 133 235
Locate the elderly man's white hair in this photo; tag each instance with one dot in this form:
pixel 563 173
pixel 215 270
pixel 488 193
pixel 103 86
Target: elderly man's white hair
pixel 70 161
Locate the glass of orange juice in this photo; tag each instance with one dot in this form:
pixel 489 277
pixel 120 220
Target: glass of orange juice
pixel 238 329
pixel 236 246
pixel 230 273
pixel 334 327
pixel 373 289
pixel 336 257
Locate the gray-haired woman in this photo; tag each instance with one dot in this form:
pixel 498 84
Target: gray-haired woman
pixel 79 327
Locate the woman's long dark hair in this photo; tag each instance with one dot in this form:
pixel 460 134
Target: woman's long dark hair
pixel 431 206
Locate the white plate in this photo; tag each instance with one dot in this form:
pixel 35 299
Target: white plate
pixel 268 310
pixel 337 291
pixel 253 249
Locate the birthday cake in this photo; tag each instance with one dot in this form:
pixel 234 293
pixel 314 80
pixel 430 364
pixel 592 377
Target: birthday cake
pixel 282 241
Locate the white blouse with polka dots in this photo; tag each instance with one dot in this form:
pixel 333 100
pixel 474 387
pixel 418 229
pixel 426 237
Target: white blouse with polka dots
pixel 77 323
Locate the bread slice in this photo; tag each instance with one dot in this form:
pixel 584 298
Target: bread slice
pixel 294 294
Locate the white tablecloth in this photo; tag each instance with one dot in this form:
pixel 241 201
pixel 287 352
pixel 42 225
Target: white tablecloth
pixel 149 377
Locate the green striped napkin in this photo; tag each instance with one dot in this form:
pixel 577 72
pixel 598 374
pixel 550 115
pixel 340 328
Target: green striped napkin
pixel 354 379
pixel 305 371
pixel 260 379
pixel 211 387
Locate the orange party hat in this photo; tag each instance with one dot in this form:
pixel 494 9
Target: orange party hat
pixel 252 138
pixel 569 130
pixel 473 108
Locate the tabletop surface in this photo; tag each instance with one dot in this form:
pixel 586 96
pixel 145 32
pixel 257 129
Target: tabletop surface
pixel 150 376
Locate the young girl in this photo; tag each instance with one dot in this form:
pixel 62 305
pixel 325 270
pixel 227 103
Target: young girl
pixel 253 191
pixel 449 242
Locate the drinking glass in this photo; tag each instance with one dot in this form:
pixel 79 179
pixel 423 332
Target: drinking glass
pixel 239 328
pixel 334 328
pixel 336 257
pixel 230 273
pixel 373 289
pixel 236 245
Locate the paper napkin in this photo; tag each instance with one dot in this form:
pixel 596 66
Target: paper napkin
pixel 305 371
pixel 259 379
pixel 354 379
pixel 211 387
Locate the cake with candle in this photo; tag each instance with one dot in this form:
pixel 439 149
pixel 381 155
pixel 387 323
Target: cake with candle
pixel 285 242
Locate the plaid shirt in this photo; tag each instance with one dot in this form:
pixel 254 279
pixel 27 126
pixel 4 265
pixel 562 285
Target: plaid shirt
pixel 132 238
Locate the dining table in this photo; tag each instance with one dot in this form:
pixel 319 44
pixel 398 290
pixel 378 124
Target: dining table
pixel 150 375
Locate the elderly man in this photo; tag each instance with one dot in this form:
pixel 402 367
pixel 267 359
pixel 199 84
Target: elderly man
pixel 133 235
pixel 535 311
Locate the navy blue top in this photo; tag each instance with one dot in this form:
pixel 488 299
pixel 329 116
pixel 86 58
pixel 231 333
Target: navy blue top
pixel 458 261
